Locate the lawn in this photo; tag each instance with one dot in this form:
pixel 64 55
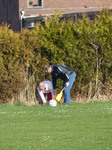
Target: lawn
pixel 65 127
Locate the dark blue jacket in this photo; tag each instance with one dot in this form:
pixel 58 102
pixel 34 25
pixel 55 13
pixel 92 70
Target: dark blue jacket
pixel 60 71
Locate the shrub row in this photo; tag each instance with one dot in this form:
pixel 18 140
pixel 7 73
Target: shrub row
pixel 85 46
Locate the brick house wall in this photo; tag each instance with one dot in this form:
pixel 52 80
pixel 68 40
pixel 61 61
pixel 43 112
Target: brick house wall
pixel 33 11
pixel 75 3
pixel 70 3
pixel 10 12
pixel 74 8
pixel 65 6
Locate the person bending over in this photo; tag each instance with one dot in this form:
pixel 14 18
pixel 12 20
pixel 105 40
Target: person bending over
pixel 45 89
pixel 66 74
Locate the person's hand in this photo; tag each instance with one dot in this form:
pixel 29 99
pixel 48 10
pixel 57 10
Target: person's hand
pixel 67 84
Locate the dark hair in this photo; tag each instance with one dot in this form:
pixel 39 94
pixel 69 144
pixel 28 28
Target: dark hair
pixel 46 67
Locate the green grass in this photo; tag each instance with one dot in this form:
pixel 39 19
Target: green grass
pixel 65 127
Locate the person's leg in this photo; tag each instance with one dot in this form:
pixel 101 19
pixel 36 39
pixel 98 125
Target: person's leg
pixel 67 95
pixel 67 99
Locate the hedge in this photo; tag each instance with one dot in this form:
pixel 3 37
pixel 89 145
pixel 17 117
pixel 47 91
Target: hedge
pixel 85 46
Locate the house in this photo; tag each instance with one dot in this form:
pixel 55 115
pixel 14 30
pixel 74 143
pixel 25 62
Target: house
pixel 25 13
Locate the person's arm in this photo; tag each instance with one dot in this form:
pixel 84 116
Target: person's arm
pixel 42 96
pixel 54 81
pixel 66 76
pixel 52 90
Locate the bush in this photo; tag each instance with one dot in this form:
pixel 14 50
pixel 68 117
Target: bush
pixel 12 69
pixel 85 46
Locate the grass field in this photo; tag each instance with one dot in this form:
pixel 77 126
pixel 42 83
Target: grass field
pixel 65 127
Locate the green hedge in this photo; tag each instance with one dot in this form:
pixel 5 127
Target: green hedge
pixel 85 46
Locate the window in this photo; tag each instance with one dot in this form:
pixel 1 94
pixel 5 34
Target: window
pixel 35 3
pixel 31 25
pixel 30 3
pixel 39 2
